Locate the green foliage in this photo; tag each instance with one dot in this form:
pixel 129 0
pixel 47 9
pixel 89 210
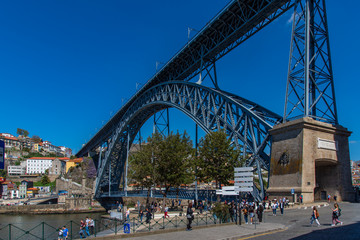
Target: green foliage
pixel 51 184
pixel 22 132
pixel 36 139
pixel 45 180
pixel 164 161
pixel 217 158
pixel 221 211
pixel 25 149
pixel 36 154
pixel 173 161
pixel 17 163
pixel 3 173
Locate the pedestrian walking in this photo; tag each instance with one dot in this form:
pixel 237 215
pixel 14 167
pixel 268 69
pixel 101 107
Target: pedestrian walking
pixel 329 198
pixel 128 215
pixel 91 226
pixel 259 212
pixel 65 233
pixel 274 207
pixel 245 212
pixel 166 209
pixel 141 215
pixel 60 237
pixel 148 216
pixel 282 206
pixel 82 229
pixel 251 213
pixel 335 197
pixel 189 216
pixel 315 216
pixel 87 220
pixel 336 213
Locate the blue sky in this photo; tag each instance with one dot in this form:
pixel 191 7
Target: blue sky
pixel 67 66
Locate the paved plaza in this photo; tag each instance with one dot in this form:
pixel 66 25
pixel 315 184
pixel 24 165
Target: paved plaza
pixel 294 224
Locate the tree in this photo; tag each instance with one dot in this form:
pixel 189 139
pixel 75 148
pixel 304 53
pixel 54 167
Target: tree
pixel 3 173
pixel 22 132
pixel 173 162
pixel 141 163
pixel 164 162
pixel 36 139
pixel 217 158
pixel 45 180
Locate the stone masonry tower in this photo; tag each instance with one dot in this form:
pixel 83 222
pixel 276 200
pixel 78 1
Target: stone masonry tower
pixel 310 150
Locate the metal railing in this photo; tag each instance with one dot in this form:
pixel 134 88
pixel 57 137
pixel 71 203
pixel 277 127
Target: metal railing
pixel 45 231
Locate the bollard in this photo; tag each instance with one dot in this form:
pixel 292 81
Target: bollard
pixel 71 230
pixel 43 232
pixel 115 226
pixel 95 227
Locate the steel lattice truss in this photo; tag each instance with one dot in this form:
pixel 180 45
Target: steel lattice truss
pixel 246 123
pixel 237 22
pixel 310 86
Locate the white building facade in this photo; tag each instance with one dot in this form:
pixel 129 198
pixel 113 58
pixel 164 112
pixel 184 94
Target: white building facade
pixel 38 166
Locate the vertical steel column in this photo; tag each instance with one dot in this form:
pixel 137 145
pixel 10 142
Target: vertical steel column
pixel 109 178
pixel 99 163
pixel 126 164
pixel 196 155
pixel 307 58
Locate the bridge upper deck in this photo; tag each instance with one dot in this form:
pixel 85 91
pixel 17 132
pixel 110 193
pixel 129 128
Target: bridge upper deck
pixel 238 21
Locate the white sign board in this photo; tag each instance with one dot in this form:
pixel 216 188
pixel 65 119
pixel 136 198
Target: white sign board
pixel 243 179
pixel 227 190
pixel 244 184
pixel 244 189
pixel 327 144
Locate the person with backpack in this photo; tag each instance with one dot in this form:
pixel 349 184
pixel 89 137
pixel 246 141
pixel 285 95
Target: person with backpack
pixel 315 216
pixel 246 212
pixel 336 213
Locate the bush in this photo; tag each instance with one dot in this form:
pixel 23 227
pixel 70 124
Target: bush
pixel 221 211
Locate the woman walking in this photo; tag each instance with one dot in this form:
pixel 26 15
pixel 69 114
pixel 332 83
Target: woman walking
pixel 336 212
pixel 315 216
pixel 189 216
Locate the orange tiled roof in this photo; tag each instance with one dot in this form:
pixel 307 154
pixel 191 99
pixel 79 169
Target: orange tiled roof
pixel 49 158
pixel 11 138
pixel 76 160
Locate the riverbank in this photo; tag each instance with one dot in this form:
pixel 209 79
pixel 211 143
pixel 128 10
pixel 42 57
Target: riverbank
pixel 48 209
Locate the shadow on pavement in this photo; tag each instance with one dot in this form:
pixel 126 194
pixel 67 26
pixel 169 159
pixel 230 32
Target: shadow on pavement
pixel 351 231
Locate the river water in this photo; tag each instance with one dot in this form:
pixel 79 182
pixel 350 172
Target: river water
pixel 26 226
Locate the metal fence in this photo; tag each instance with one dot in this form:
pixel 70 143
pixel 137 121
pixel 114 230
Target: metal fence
pixel 104 227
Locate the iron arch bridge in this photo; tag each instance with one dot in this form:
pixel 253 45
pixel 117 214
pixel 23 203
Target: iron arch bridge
pixel 245 122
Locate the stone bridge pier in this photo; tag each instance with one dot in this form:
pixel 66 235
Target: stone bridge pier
pixel 312 158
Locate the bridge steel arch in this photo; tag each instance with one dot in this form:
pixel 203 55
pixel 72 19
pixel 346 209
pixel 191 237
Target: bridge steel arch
pixel 245 122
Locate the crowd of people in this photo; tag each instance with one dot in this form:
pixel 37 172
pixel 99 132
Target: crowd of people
pixel 250 210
